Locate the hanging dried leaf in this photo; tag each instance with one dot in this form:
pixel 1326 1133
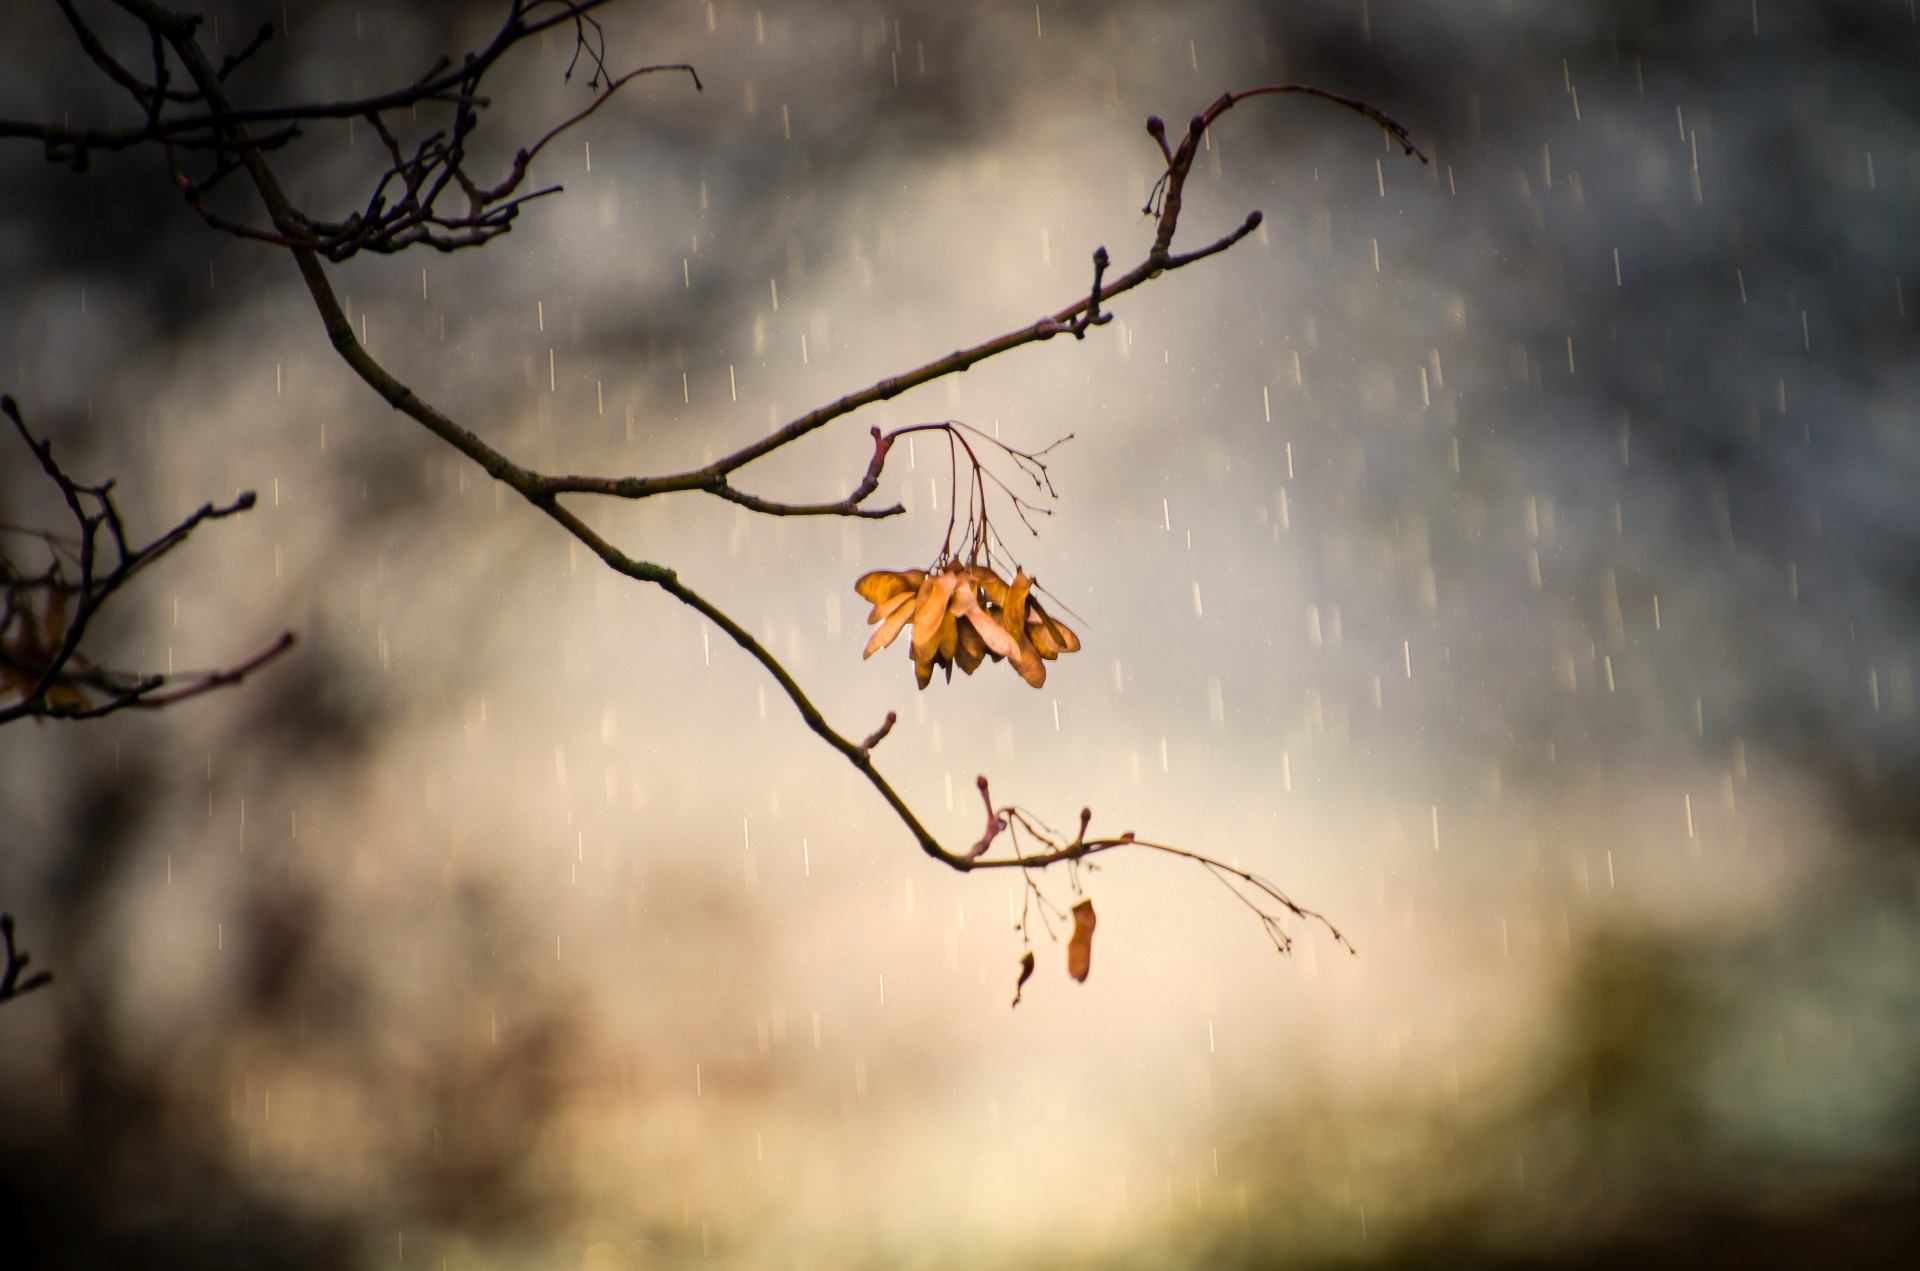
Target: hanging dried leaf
pixel 1013 615
pixel 971 649
pixel 960 615
pixel 1026 973
pixel 1050 636
pixel 991 583
pixel 1080 947
pixel 967 605
pixel 930 610
pixel 893 616
pixel 884 584
pixel 886 608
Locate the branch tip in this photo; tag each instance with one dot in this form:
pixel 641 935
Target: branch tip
pixel 879 734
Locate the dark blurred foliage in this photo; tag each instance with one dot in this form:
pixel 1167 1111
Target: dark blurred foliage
pixel 1700 1102
pixel 107 1176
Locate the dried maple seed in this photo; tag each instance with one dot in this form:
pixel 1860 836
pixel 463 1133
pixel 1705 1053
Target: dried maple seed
pixel 893 616
pixel 1080 945
pixel 960 615
pixel 884 584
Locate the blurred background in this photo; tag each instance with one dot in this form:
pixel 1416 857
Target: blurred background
pixel 1513 557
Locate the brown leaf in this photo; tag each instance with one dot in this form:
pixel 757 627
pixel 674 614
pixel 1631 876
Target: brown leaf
pixel 1050 636
pixel 896 621
pixel 1080 946
pixel 1013 605
pixel 54 624
pixel 884 584
pixel 992 634
pixel 1026 973
pixel 986 580
pixel 930 611
pixel 971 650
pixel 892 605
pixel 35 643
pixel 1013 618
pixel 960 615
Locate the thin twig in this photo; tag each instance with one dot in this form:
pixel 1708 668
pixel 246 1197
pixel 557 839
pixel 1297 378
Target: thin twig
pixel 11 985
pixel 41 674
pixel 879 734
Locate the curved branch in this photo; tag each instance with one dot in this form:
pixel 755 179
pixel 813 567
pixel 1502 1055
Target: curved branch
pixel 1071 320
pixel 849 506
pixel 669 581
pixel 1393 126
pixel 716 484
pixel 544 492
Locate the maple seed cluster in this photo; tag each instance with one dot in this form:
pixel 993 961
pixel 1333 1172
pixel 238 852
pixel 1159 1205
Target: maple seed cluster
pixel 961 615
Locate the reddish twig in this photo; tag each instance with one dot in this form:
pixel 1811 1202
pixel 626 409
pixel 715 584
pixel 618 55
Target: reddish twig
pixel 879 734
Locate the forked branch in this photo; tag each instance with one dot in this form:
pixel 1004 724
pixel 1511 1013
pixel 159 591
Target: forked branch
pixel 45 613
pixel 401 213
pixel 11 985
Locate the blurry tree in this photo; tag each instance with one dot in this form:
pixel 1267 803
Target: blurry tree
pixel 960 609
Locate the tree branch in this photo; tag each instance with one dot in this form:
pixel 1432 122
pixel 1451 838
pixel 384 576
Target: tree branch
pixel 436 163
pixel 11 985
pixel 40 647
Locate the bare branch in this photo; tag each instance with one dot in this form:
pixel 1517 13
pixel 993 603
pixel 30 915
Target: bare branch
pixel 39 644
pixel 434 166
pixel 1070 320
pixel 432 169
pixel 152 692
pixel 232 61
pixel 1093 317
pixel 11 985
